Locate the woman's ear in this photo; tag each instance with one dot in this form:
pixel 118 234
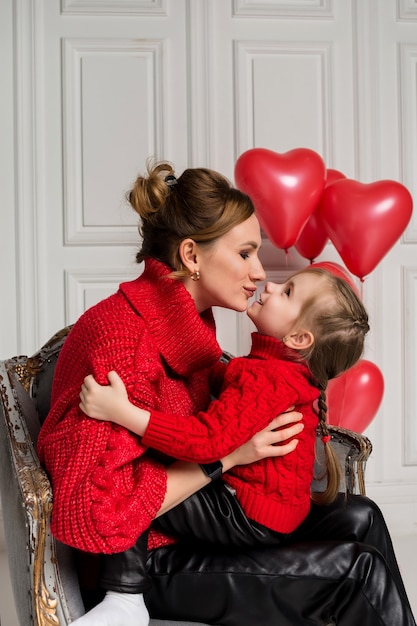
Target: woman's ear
pixel 188 254
pixel 299 340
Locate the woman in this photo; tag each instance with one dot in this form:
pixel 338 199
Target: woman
pixel 200 247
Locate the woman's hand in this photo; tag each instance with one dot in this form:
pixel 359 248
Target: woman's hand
pixel 275 440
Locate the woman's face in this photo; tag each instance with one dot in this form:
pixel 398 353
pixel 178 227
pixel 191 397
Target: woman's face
pixel 229 269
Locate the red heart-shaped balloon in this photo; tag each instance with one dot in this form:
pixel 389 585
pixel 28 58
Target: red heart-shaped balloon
pixel 365 220
pixel 313 238
pixel 354 397
pixel 314 235
pixel 285 189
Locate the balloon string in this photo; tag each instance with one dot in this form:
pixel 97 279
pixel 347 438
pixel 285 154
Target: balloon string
pixel 289 256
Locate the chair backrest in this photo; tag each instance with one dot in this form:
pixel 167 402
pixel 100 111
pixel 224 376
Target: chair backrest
pixel 42 570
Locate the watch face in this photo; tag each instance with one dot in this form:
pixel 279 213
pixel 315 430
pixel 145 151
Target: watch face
pixel 212 470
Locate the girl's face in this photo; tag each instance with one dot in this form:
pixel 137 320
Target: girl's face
pixel 229 269
pixel 276 311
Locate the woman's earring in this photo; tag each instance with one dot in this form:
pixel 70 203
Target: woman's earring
pixel 196 275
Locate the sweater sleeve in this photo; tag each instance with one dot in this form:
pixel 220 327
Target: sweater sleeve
pixel 253 394
pixel 95 467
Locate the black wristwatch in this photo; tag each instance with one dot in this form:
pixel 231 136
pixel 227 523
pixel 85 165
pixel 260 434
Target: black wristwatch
pixel 212 470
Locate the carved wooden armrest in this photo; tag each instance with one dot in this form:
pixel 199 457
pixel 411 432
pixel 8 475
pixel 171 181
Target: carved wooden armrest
pixel 28 525
pixel 360 448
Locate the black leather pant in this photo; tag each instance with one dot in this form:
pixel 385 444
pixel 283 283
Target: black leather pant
pixel 126 571
pixel 339 568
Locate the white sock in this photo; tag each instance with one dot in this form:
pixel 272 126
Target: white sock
pixel 117 609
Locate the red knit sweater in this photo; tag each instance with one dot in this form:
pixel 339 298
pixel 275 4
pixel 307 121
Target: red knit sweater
pixel 106 490
pixel 274 492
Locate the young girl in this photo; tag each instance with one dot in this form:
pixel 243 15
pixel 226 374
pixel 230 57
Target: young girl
pixel 310 329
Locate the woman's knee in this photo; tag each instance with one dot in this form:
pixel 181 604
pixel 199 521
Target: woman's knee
pixel 365 517
pixel 348 518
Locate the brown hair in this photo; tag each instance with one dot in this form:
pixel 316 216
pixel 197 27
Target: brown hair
pixel 339 322
pixel 200 204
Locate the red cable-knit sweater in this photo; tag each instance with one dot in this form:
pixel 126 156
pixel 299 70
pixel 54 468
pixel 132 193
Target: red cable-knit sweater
pixel 274 492
pixel 106 489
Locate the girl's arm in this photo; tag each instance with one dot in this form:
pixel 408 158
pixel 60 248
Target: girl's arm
pixel 110 403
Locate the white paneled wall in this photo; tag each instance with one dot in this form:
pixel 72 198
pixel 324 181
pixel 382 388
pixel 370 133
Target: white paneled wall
pixel 92 88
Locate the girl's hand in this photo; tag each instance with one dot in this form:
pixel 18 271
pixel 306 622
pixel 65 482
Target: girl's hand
pixel 104 402
pixel 275 440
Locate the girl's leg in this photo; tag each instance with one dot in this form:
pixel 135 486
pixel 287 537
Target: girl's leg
pixel 317 584
pixel 124 578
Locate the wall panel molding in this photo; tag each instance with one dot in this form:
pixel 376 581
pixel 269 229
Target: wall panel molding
pixel 113 7
pixel 85 287
pixel 259 67
pixel 85 222
pixel 407 63
pixel 398 503
pixel 28 85
pixel 283 9
pixel 199 81
pixel 406 10
pixel 366 90
pixel 409 349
